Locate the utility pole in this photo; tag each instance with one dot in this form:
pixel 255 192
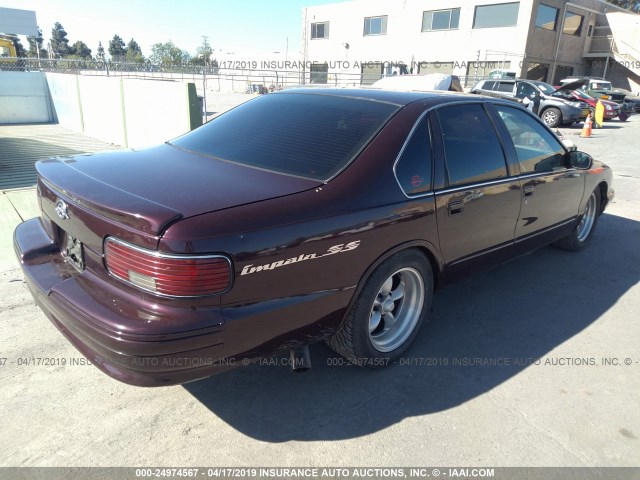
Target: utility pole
pixel 205 54
pixel 205 48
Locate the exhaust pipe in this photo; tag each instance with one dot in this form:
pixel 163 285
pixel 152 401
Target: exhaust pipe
pixel 300 359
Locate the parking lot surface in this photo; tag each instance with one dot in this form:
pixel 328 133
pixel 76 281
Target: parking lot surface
pixel 534 363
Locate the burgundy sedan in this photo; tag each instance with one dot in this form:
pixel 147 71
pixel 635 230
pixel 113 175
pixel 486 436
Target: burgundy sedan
pixel 611 109
pixel 299 216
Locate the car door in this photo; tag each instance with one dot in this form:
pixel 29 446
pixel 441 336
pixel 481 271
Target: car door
pixel 479 203
pixel 551 191
pixel 525 90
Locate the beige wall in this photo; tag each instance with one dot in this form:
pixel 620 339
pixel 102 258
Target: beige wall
pixel 405 40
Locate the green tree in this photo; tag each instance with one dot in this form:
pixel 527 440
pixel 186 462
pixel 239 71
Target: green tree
pixel 134 52
pixel 80 50
pixel 117 49
pixel 100 52
pixel 168 54
pixel 59 41
pixel 205 51
pixel 36 44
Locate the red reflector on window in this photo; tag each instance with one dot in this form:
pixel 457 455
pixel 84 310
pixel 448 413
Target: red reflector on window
pixel 172 275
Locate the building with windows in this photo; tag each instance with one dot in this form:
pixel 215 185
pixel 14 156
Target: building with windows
pixel 360 41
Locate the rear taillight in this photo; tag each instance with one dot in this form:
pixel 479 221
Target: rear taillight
pixel 170 275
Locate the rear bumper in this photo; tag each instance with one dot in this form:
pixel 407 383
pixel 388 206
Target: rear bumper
pixel 85 308
pixel 140 339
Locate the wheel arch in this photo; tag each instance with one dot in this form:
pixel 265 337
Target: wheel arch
pixel 426 248
pixel 604 189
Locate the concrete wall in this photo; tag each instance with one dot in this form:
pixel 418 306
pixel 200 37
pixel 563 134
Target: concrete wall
pixel 127 112
pixel 65 96
pixel 24 98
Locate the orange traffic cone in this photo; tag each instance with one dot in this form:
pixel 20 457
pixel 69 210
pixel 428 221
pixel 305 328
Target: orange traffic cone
pixel 586 129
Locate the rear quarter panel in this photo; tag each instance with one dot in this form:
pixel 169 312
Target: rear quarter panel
pixel 304 282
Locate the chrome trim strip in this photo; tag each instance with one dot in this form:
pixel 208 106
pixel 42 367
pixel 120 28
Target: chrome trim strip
pixel 542 174
pixel 476 185
pixel 156 254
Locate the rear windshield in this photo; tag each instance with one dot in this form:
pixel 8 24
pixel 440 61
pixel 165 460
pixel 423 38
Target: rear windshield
pixel 312 136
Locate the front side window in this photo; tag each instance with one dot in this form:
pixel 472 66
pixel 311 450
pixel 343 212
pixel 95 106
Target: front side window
pixel 488 85
pixel 413 169
pixel 320 30
pixel 525 90
pixel 572 24
pixel 536 148
pixel 547 17
pixel 499 15
pixel 375 25
pixel 441 20
pixel 307 135
pixel 472 150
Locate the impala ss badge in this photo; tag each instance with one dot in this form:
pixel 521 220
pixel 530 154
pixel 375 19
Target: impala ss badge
pixel 62 210
pixel 341 248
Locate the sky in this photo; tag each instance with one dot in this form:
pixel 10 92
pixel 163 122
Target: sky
pixel 235 27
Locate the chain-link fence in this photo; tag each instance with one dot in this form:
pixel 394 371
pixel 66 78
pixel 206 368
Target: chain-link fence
pixel 220 87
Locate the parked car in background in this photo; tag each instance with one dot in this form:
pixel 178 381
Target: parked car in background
pixel 598 88
pixel 500 73
pixel 611 109
pixel 420 83
pixel 631 100
pixel 552 110
pixel 298 216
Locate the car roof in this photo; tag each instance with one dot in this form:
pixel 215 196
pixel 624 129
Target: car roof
pixel 399 98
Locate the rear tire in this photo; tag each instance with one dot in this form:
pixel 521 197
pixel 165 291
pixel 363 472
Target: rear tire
pixel 581 235
pixel 387 315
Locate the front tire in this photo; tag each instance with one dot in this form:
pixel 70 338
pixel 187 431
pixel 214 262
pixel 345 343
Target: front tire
pixel 552 117
pixel 388 313
pixel 581 235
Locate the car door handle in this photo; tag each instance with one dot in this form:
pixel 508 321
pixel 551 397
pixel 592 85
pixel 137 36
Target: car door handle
pixel 455 207
pixel 529 191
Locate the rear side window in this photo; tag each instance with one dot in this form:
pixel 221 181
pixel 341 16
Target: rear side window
pixel 472 150
pixel 537 149
pixel 307 135
pixel 504 86
pixel 413 169
pixel 488 85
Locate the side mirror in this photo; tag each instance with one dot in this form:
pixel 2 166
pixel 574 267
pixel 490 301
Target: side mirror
pixel 580 160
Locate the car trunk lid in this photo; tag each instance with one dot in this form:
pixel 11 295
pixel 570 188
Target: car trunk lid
pixel 136 195
pixel 148 190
